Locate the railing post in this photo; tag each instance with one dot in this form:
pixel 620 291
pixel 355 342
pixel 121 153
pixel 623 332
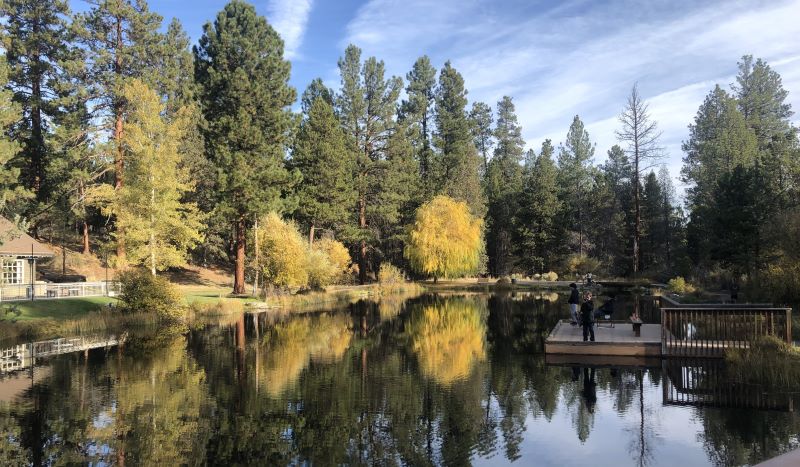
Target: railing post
pixel 789 326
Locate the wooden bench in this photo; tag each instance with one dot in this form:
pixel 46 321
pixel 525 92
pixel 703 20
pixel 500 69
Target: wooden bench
pixel 637 327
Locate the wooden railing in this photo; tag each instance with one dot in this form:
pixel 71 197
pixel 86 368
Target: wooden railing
pixel 703 382
pixel 708 331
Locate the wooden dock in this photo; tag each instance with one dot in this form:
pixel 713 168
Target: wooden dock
pixel 617 341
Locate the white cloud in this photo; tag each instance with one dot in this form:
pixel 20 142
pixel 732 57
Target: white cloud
pixel 289 18
pixel 581 57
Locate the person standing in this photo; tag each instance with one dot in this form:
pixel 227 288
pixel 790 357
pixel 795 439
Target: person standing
pixel 587 317
pixel 574 300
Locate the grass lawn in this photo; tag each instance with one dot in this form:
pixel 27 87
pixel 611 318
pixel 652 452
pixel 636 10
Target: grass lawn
pixel 66 308
pixel 210 295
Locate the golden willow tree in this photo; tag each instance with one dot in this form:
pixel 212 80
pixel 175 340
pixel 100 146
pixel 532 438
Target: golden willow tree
pixel 445 239
pixel 159 228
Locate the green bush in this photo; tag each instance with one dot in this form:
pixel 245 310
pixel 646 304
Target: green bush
pixel 144 292
pixel 777 283
pixel 390 274
pixel 770 362
pixel 550 276
pixel 679 286
pixel 582 264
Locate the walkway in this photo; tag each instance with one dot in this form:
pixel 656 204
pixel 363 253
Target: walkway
pixel 619 340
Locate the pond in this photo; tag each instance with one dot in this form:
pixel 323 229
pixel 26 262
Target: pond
pixel 453 379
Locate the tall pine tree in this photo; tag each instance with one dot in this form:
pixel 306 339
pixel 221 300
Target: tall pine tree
pixel 245 98
pixel 575 178
pixel 539 211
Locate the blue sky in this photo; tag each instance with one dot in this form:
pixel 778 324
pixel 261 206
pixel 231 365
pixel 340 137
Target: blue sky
pixel 555 58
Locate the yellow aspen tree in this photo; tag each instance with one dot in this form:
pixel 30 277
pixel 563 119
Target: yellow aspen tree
pixel 158 227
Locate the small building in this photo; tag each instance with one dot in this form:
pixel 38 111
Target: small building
pixel 19 253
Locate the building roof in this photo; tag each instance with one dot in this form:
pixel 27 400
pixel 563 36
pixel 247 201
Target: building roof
pixel 14 242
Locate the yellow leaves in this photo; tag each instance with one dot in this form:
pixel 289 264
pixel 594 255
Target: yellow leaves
pixel 284 252
pixel 449 339
pixel 290 263
pixel 293 345
pixel 445 239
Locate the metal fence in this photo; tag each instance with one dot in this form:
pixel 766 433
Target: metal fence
pixel 48 290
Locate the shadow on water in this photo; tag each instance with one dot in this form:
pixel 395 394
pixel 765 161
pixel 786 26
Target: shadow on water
pixel 451 379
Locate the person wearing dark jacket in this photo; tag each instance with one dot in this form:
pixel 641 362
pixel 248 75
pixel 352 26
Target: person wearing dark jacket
pixel 574 301
pixel 587 317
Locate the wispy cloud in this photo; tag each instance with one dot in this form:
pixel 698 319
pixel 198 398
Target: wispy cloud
pixel 289 18
pixel 582 57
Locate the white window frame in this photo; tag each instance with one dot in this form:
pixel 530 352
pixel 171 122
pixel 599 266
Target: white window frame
pixel 16 267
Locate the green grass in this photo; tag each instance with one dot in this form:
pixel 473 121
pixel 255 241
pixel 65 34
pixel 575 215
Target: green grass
pixel 59 309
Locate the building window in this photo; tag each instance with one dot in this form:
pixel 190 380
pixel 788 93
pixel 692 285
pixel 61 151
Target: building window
pixel 12 271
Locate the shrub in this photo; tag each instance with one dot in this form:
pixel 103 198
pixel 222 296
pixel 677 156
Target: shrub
pixel 390 274
pixel 144 292
pixel 679 286
pixel 338 259
pixel 769 361
pixel 321 271
pixel 537 277
pixel 582 264
pixel 778 282
pixel 284 252
pixel 550 276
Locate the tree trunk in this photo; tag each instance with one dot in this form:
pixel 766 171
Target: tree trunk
pixel 362 253
pixel 637 215
pixel 119 158
pixel 238 277
pixel 86 249
pixel 37 154
pixel 152 228
pixel 311 235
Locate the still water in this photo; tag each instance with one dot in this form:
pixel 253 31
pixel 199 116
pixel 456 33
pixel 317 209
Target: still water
pixel 447 379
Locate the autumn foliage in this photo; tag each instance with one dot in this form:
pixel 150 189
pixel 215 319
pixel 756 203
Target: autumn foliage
pixel 445 239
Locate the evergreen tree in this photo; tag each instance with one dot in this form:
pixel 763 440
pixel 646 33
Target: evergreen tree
pixel 653 235
pixel 245 99
pixel 159 227
pixel 641 135
pixel 122 41
pixel 315 90
pixel 417 110
pixel 457 161
pixel 480 118
pixel 575 178
pixel 539 210
pixel 719 141
pixel 10 190
pixel 37 44
pixel 762 101
pixel 367 105
pixel 326 197
pixel 503 189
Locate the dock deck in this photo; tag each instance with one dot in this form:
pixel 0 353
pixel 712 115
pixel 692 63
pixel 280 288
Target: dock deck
pixel 619 340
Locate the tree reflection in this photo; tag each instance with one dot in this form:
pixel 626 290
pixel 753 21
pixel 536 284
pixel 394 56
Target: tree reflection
pixel 448 338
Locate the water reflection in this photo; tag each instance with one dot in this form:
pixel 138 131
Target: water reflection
pixel 448 337
pixel 445 379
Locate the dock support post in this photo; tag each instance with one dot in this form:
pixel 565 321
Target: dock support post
pixel 789 326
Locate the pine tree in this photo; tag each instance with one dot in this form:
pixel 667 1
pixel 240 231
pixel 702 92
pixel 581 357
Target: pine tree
pixel 245 99
pixel 417 110
pixel 574 176
pixel 457 162
pixel 480 118
pixel 315 90
pixel 159 227
pixel 367 104
pixel 641 135
pixel 719 141
pixel 503 189
pixel 618 227
pixel 540 207
pixel 122 41
pixel 10 190
pixel 37 45
pixel 326 195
